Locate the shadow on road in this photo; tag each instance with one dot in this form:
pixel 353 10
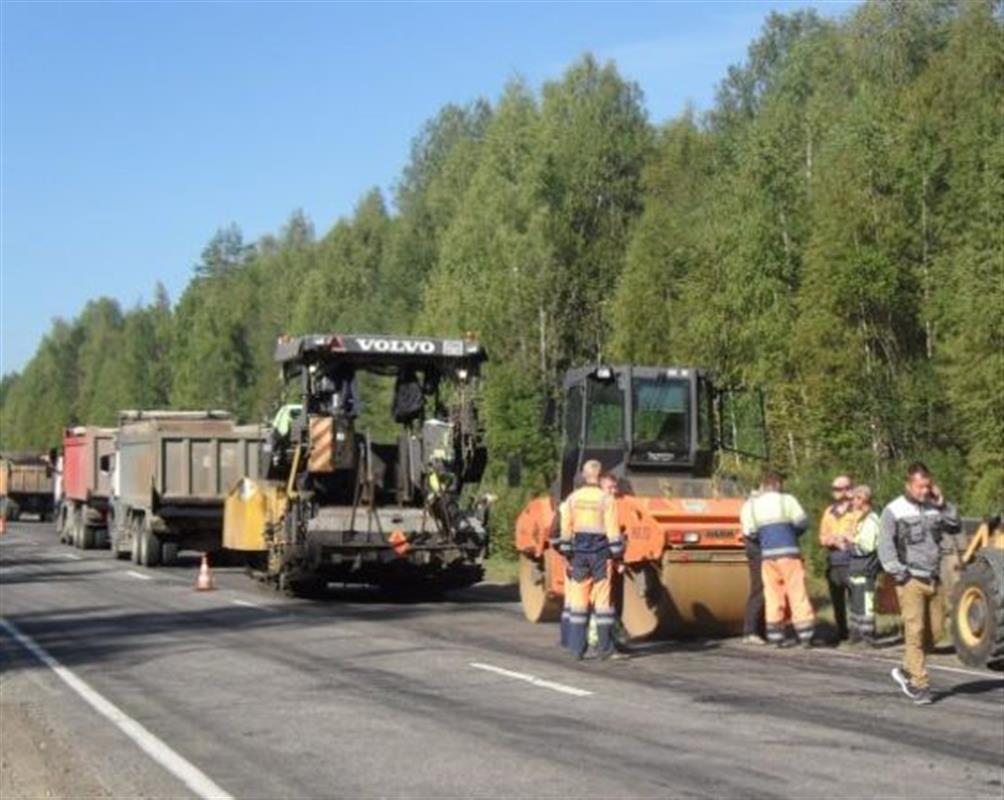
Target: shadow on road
pixel 972 687
pixel 49 575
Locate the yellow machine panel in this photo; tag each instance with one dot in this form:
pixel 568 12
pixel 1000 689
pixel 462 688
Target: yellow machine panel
pixel 250 508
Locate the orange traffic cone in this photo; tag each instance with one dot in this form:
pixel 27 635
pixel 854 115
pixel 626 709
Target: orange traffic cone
pixel 204 583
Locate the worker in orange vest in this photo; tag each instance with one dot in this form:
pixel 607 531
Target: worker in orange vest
pixel 591 541
pixel 836 534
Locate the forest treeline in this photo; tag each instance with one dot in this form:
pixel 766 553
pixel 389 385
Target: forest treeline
pixel 832 230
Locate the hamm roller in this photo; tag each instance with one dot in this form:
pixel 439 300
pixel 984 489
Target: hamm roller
pixel 659 431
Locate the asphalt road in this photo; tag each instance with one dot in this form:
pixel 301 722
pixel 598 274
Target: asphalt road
pixel 356 696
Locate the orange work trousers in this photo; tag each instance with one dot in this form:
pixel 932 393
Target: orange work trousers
pixel 784 589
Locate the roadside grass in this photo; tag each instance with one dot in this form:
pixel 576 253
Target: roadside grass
pixel 502 568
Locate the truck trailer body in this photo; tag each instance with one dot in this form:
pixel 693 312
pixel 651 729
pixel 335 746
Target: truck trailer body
pixel 173 471
pixel 85 479
pixel 25 485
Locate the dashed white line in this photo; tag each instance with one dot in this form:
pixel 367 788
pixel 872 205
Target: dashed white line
pixel 72 556
pixel 960 670
pixel 189 774
pixel 139 575
pixel 249 604
pixel 532 679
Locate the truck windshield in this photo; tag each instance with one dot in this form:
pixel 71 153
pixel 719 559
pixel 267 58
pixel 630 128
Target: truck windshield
pixel 661 414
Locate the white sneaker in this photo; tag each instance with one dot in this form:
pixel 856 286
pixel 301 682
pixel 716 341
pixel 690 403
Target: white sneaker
pixel 899 675
pixel 752 638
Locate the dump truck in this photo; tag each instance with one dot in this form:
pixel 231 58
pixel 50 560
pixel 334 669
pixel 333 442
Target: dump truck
pixel 25 485
pixel 660 432
pixel 334 503
pixel 976 608
pixel 85 486
pixel 173 470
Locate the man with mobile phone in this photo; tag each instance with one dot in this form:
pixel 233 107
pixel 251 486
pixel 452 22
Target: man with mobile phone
pixel 909 547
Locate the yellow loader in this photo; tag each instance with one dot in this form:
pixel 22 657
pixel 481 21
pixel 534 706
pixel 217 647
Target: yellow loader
pixel 976 618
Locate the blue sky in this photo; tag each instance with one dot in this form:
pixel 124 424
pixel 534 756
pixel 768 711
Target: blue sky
pixel 132 131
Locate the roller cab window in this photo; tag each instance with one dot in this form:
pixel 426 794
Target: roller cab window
pixel 661 421
pixel 605 419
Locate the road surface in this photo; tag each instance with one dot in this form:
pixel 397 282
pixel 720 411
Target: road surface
pixel 242 693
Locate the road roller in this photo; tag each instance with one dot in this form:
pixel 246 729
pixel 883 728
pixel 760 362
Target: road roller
pixel 661 432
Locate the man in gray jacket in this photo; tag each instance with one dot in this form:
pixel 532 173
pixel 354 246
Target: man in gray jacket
pixel 909 548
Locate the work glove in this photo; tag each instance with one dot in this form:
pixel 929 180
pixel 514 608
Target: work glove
pixel 565 548
pixel 617 550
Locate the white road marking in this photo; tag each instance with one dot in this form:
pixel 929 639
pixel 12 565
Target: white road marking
pixel 139 575
pixel 72 556
pixel 960 670
pixel 522 676
pixel 183 770
pixel 249 604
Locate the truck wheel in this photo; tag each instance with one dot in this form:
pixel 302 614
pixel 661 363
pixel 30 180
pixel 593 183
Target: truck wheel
pixel 149 546
pixel 977 616
pixel 538 604
pixel 102 538
pixel 76 523
pixel 116 534
pixel 169 553
pixel 134 535
pixel 61 526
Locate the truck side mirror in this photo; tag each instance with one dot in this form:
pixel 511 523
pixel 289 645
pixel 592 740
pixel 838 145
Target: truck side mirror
pixel 514 472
